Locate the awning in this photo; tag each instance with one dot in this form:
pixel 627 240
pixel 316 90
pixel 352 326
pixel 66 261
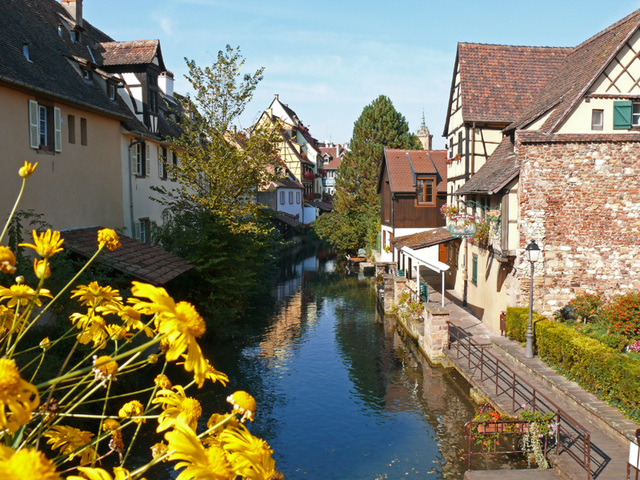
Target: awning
pixel 143 262
pixel 421 259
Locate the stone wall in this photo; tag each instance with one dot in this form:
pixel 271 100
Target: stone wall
pixel 581 203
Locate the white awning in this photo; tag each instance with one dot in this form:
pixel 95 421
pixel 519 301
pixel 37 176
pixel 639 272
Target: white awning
pixel 420 258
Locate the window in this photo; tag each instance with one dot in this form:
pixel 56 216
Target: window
pixel 143 230
pixel 111 90
pixel 83 131
pixel 425 190
pixel 162 163
pixel 281 197
pixel 174 170
pixel 298 197
pixel 597 117
pixel 45 127
pixel 139 165
pixel 87 75
pixel 71 127
pixel 153 94
pixel 474 269
pixel 290 198
pixel 25 51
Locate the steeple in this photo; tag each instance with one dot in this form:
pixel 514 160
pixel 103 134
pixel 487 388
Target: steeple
pixel 424 136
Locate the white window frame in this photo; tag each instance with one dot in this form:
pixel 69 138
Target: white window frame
pixel 635 114
pixel 282 197
pixel 597 119
pixel 40 129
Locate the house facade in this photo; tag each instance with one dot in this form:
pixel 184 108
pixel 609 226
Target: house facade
pixel 542 146
pixel 332 157
pixel 412 189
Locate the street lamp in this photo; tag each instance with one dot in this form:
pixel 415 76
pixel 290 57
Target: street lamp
pixel 533 253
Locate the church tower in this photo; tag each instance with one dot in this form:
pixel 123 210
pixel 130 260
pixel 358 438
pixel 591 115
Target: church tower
pixel 424 136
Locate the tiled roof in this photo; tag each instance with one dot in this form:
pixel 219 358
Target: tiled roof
pixel 286 183
pixel 287 219
pixel 136 52
pixel 35 23
pixel 577 73
pixel 423 239
pixel 401 166
pixel 499 82
pixel 501 167
pixel 144 262
pixel 334 164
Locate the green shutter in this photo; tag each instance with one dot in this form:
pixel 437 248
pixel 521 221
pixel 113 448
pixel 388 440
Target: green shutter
pixel 622 114
pixel 474 270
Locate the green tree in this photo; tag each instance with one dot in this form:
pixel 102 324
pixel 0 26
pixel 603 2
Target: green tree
pixel 356 219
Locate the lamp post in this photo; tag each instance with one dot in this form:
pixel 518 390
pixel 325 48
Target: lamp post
pixel 533 253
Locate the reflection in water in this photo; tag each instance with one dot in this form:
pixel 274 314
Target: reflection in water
pixel 339 394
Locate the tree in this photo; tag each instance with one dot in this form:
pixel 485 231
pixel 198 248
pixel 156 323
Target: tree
pixel 355 221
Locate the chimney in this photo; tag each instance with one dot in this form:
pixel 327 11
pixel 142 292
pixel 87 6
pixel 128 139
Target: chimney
pixel 165 82
pixel 277 97
pixel 74 8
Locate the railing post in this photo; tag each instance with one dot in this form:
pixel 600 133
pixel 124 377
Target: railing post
pixel 497 374
pixel 587 452
pixel 481 363
pixel 513 393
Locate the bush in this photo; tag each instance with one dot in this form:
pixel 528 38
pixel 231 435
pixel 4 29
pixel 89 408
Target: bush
pixel 587 306
pixel 622 314
pixel 611 375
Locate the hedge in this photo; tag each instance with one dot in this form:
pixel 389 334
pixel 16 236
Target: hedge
pixel 612 376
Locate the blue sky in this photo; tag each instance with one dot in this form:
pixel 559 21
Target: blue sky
pixel 327 59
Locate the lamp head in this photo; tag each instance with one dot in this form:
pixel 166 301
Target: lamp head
pixel 533 251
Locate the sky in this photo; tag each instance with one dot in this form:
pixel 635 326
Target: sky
pixel 328 59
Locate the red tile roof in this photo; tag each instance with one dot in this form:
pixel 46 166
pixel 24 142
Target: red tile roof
pixel 423 239
pixel 500 82
pixel 402 165
pixel 334 164
pixel 577 73
pixel 144 262
pixel 136 52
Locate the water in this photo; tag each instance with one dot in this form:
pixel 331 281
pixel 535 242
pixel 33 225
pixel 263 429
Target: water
pixel 339 395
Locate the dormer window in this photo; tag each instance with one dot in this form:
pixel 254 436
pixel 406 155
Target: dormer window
pixel 111 90
pixel 426 191
pixel 87 75
pixel 75 36
pixel 60 29
pixel 25 51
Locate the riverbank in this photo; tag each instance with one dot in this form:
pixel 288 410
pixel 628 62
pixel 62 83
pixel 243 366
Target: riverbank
pixel 609 432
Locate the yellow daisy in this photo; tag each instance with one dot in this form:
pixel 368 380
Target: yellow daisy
pixel 71 441
pixel 249 456
pixel 162 381
pixel 93 295
pixel 16 395
pixel 109 238
pixel 104 368
pixel 22 294
pixel 47 244
pixel 181 322
pixel 128 314
pixel 221 422
pixel 42 269
pixel 132 409
pixel 197 462
pixel 243 403
pixel 93 327
pixel 101 474
pixel 28 464
pixel 7 260
pixel 27 169
pixel 7 316
pixel 177 407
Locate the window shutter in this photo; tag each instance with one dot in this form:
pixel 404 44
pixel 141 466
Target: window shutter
pixel 57 126
pixel 34 140
pixel 134 159
pixel 148 160
pixel 622 114
pixel 137 232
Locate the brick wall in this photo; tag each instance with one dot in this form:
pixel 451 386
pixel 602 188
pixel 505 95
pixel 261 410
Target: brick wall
pixel 581 203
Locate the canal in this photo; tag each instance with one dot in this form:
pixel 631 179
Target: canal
pixel 339 394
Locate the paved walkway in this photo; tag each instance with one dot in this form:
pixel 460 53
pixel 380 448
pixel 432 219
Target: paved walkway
pixel 610 431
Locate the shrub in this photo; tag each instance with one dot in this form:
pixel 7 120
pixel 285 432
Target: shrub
pixel 622 314
pixel 587 306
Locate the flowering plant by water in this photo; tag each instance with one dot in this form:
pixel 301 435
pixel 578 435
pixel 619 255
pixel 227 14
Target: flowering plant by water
pixel 542 428
pixel 63 411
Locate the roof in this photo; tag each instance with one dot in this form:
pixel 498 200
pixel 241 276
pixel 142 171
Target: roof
pixel 500 168
pixel 499 82
pixel 423 239
pixel 285 183
pixel 49 71
pixel 334 164
pixel 403 165
pixel 145 262
pixel 577 73
pixel 136 52
pixel 287 219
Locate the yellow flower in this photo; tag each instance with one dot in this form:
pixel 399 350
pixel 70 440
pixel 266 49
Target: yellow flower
pixel 132 409
pixel 47 244
pixel 162 381
pixel 177 407
pixel 128 314
pixel 243 403
pixel 7 316
pixel 102 474
pixel 7 260
pixel 28 464
pixel 109 239
pixel 221 422
pixel 214 375
pixel 42 269
pixel 158 450
pixel 110 424
pixel 197 462
pixel 93 295
pixel 27 169
pixel 16 395
pixel 181 322
pixel 92 327
pixel 70 441
pixel 104 368
pixel 250 457
pixel 22 294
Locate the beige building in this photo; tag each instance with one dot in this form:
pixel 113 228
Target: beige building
pixel 542 146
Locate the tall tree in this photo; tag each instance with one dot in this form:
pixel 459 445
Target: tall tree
pixel 355 221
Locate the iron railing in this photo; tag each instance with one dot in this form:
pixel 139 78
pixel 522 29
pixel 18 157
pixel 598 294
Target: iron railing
pixel 572 438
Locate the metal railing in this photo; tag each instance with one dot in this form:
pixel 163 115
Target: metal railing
pixel 572 438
